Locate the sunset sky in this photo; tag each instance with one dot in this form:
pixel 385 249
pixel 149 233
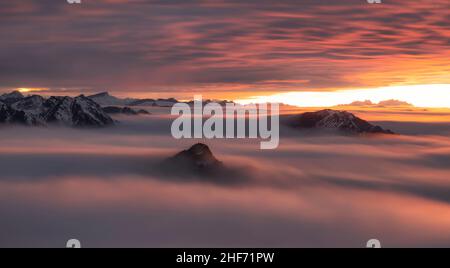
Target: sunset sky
pixel 91 170
pixel 301 52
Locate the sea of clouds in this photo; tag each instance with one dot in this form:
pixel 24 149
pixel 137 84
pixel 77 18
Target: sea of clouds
pixel 102 186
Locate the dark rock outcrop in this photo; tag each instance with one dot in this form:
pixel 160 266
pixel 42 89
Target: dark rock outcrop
pixel 197 160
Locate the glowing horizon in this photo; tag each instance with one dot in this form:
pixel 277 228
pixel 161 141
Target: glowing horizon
pixel 27 90
pixel 432 96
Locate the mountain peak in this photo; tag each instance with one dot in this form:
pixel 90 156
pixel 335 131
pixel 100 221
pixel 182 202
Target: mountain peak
pixel 199 154
pixel 12 95
pixel 200 151
pixel 198 159
pixel 334 119
pixel 105 99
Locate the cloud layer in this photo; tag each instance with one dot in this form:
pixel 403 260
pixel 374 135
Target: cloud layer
pixel 99 186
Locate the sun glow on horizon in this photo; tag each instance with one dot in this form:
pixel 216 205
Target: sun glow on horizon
pixel 433 96
pixel 27 90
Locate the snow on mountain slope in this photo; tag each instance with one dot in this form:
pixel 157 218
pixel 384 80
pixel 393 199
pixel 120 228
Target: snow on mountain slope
pixel 35 110
pixel 89 113
pixel 11 97
pixel 78 111
pixel 339 120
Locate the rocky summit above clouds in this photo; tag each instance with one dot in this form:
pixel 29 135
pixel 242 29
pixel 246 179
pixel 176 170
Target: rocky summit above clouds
pixel 197 160
pixel 198 156
pixel 198 163
pixel 68 111
pixel 337 120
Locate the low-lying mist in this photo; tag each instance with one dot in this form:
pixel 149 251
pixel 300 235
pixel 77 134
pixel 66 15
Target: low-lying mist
pixel 104 187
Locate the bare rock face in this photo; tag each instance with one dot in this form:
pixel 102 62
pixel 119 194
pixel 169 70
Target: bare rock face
pixel 197 160
pixel 338 120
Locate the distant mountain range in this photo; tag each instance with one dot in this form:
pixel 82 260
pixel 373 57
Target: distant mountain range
pixel 381 104
pixel 123 110
pixel 85 111
pixel 105 99
pixel 93 110
pixel 36 110
pixel 335 120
